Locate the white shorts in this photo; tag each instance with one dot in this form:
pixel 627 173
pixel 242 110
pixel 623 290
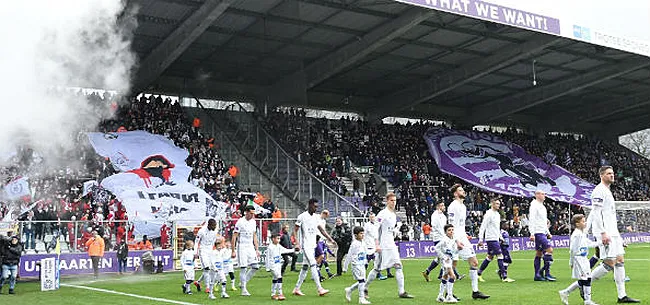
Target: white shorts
pixel 387 258
pixel 247 257
pixel 614 249
pixel 580 270
pixel 189 274
pixel 447 262
pixel 358 272
pixel 308 256
pixel 467 251
pixel 276 271
pixel 217 275
pixel 206 258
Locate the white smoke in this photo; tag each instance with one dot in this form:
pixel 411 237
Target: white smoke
pixel 48 45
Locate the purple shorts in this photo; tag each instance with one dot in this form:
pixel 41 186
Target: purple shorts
pixel 318 252
pixel 541 243
pixel 370 257
pixel 493 247
pixel 506 255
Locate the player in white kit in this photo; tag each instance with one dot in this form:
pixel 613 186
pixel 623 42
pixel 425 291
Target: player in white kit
pixel 578 252
pixel 538 226
pixel 204 242
pixel 388 252
pixel 490 232
pixel 308 224
pixel 248 254
pixel 604 226
pixel 358 257
pixel 457 214
pixel 438 222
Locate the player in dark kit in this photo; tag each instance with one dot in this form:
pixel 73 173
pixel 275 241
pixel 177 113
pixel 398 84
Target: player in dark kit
pixel 505 250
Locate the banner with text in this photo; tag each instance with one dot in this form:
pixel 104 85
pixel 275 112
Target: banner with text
pixel 425 248
pixel 496 165
pixel 493 12
pixel 619 26
pixel 80 263
pixel 150 207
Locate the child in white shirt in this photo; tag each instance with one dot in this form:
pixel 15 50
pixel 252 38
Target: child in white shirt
pixel 578 253
pixel 217 274
pixel 187 264
pixel 274 265
pixel 447 250
pixel 357 256
pixel 228 265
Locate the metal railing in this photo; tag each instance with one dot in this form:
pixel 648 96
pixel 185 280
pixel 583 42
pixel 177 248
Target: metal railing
pixel 41 236
pixel 253 141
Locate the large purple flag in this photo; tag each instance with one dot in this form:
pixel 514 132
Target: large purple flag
pixel 496 165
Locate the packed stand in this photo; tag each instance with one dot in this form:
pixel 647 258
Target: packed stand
pixel 57 190
pixel 399 154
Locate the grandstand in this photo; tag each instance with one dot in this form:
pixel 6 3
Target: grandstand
pixel 376 59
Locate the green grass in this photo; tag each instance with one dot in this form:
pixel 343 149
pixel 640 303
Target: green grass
pixel 523 291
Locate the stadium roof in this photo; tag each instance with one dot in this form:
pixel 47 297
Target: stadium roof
pixel 384 58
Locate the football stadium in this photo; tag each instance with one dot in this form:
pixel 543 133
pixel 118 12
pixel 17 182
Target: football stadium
pixel 325 151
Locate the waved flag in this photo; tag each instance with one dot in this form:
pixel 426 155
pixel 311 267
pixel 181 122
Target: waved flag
pixel 88 187
pixel 130 150
pixel 496 165
pixel 17 188
pixel 152 201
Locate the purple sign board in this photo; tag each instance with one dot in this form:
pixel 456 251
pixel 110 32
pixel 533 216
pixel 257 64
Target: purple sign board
pixel 493 12
pixel 80 263
pixel 418 249
pixel 496 165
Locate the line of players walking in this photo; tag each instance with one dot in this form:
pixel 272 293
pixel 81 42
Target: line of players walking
pixel 374 242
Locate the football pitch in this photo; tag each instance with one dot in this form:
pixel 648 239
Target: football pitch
pixel 166 288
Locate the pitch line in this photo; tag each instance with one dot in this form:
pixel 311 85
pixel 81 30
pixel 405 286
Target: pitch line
pixel 526 259
pixel 129 294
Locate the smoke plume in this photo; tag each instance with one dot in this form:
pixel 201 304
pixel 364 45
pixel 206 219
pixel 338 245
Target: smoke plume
pixel 51 45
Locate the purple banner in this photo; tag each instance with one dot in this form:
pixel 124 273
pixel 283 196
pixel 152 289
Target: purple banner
pixel 493 12
pixel 496 165
pixel 418 249
pixel 79 263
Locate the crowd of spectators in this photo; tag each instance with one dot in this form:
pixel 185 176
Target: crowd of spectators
pixel 398 153
pixel 57 188
pixel 329 148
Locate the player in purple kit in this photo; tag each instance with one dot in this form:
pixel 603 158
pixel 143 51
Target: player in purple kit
pixel 489 232
pixel 321 252
pixel 538 225
pixel 505 249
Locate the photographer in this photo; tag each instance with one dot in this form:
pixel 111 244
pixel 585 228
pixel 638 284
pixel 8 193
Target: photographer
pixel 10 251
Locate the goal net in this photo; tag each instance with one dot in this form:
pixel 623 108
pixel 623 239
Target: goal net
pixel 633 219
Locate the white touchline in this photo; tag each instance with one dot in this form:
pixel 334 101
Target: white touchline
pixel 129 294
pixel 527 259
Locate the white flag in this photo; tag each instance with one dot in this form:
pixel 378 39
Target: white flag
pixel 130 150
pixel 88 187
pixel 152 201
pixel 17 189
